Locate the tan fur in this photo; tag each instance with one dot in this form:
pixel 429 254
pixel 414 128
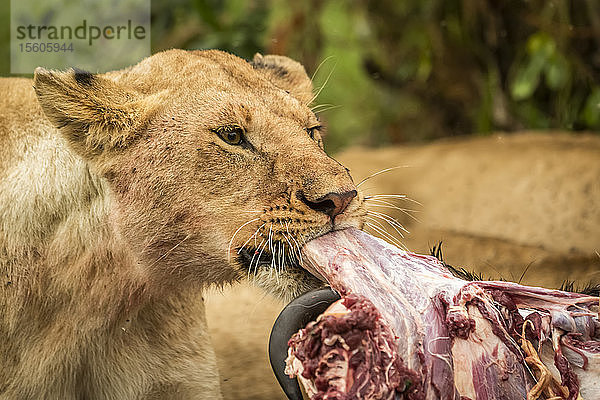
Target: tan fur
pixel 119 203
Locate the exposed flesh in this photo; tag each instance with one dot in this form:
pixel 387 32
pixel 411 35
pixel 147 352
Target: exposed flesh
pixel 460 340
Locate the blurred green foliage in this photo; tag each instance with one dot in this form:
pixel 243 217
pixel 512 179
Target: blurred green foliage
pixel 391 71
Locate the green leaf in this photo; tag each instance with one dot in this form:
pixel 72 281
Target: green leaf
pixel 557 72
pixel 527 79
pixel 591 110
pixel 425 66
pixel 541 44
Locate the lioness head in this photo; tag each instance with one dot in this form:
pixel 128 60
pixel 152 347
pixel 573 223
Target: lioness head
pixel 215 165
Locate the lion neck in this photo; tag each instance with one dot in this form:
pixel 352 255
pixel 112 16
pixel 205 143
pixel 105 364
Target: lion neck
pixel 62 250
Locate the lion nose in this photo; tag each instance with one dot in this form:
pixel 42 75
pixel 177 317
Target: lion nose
pixel 331 204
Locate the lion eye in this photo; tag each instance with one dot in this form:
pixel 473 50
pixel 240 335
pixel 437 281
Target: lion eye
pixel 233 135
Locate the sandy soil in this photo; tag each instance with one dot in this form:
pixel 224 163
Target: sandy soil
pixel 514 206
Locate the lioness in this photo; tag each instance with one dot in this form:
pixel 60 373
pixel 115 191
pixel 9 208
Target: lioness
pixel 123 195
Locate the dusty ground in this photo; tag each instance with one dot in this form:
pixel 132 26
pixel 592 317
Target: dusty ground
pixel 502 205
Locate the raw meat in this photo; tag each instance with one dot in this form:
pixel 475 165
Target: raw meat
pixel 348 353
pixel 454 339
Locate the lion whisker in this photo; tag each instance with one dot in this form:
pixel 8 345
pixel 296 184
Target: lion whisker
pixel 298 252
pixel 283 256
pixel 259 256
pixel 384 233
pixel 319 67
pixel 149 241
pixel 381 172
pixel 295 241
pixel 386 196
pixel 271 249
pixel 233 237
pixel 286 238
pixel 324 84
pixel 373 220
pixel 391 196
pixel 250 238
pixel 330 107
pixel 388 203
pixel 388 218
pixel 282 252
pixel 276 259
pixel 392 221
pixel 402 210
pixel 279 266
pixel 317 106
pixel 169 251
pixel 386 236
pixel 252 260
pixel 291 252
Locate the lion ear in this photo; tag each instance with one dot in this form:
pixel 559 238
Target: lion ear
pixel 286 74
pixel 93 113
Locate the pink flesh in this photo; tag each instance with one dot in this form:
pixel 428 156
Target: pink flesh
pixel 349 352
pixel 455 333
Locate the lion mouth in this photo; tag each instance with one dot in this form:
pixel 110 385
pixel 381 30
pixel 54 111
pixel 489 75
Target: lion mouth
pixel 252 259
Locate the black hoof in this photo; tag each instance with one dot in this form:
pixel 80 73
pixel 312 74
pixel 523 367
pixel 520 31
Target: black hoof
pixel 292 318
